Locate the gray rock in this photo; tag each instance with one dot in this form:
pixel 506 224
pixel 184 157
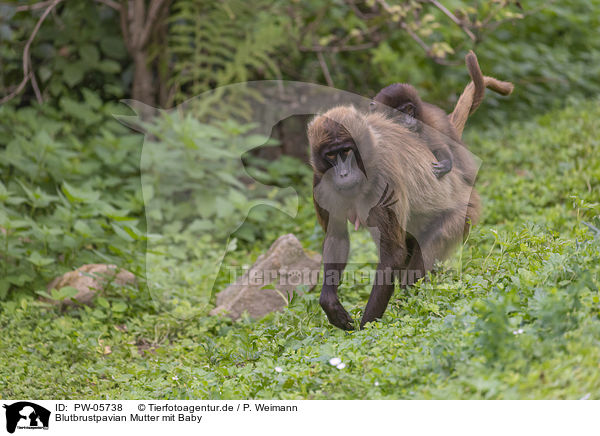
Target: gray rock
pixel 285 265
pixel 88 280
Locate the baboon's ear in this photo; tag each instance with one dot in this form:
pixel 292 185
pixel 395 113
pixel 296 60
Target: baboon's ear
pixel 408 108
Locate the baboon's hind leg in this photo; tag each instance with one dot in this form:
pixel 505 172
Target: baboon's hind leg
pixel 435 243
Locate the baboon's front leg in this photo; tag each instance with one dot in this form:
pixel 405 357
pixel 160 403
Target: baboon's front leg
pixel 335 256
pixel 392 254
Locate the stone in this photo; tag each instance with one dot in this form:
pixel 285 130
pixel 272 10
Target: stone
pixel 88 280
pixel 285 265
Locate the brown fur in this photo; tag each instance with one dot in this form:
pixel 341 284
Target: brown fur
pixel 425 220
pixel 398 94
pixel 473 94
pixel 440 136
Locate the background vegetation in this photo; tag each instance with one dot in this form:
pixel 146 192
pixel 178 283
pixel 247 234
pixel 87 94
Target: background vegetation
pixel 515 315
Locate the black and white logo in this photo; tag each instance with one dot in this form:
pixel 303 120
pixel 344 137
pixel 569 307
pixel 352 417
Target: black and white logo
pixel 26 415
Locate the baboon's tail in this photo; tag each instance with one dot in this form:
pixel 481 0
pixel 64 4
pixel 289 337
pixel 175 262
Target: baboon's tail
pixel 472 96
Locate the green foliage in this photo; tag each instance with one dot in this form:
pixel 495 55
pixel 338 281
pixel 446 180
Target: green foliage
pixel 234 41
pixel 69 191
pixel 368 45
pixel 550 55
pixel 194 178
pixel 550 51
pixel 77 47
pixel 200 204
pixel 516 315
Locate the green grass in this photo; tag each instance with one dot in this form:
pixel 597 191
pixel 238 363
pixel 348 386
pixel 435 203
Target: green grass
pixel 514 315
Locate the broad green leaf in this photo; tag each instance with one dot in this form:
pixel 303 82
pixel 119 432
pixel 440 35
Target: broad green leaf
pixel 102 302
pixel 67 292
pixel 73 73
pixel 79 195
pixel 119 306
pixel 89 55
pixel 38 260
pixel 45 294
pixel 122 233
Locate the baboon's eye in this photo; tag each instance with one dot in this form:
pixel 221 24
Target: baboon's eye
pixel 330 156
pixel 346 152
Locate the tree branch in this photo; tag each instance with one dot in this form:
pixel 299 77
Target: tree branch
pixel 325 69
pixel 416 37
pixel 453 17
pixel 30 7
pixel 405 27
pixel 125 25
pixel 36 88
pixel 111 4
pixel 137 17
pixel 360 14
pixel 151 19
pixel 340 48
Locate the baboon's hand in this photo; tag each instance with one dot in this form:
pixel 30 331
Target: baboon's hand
pixel 336 314
pixel 441 168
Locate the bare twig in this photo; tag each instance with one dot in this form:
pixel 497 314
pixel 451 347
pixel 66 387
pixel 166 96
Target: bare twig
pixel 358 12
pixel 138 22
pixel 339 48
pixel 533 11
pixel 385 6
pixel 151 18
pixel 453 17
pixel 30 7
pixel 17 90
pixel 416 37
pixel 111 4
pixel 309 29
pixel 27 74
pixel 369 34
pixel 491 14
pixel 36 88
pixel 325 69
pixel 404 26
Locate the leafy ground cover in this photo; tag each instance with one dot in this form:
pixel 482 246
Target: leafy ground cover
pixel 515 314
